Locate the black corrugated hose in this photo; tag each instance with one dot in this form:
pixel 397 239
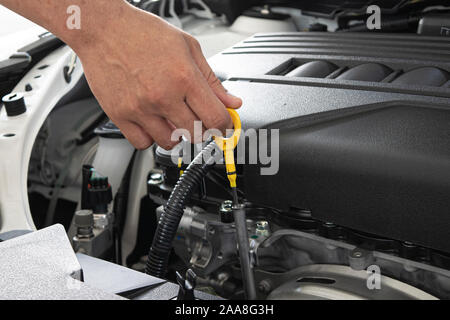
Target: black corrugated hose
pixel 158 257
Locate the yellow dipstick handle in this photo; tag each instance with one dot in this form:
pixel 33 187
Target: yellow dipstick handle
pixel 180 165
pixel 227 145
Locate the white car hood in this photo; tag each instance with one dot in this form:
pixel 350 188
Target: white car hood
pixel 15 32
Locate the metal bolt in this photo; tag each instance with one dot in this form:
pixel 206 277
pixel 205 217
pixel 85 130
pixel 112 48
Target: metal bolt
pixel 262 225
pixel 226 206
pixel 264 286
pixel 223 276
pixel 262 228
pixel 360 259
pixel 226 211
pixel 101 221
pixel 156 179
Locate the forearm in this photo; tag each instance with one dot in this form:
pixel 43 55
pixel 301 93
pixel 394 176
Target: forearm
pixel 95 17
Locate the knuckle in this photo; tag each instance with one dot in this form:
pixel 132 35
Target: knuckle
pixel 135 108
pixel 142 144
pixel 212 79
pixel 184 76
pixel 193 41
pixel 167 144
pixel 196 43
pixel 157 96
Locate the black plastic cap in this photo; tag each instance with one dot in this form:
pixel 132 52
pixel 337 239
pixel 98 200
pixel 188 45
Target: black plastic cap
pixel 84 219
pixel 318 27
pixel 14 104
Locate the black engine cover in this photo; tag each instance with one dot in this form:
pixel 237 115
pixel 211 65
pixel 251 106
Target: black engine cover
pixel 364 125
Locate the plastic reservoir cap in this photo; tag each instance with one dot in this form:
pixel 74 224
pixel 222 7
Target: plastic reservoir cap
pixel 14 104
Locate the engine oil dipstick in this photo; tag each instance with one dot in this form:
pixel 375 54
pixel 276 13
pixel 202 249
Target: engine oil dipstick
pixel 227 145
pixel 180 165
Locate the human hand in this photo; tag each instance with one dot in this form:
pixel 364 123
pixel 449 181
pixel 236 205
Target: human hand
pixel 151 78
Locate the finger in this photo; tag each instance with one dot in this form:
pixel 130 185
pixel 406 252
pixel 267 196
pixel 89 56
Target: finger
pixel 208 108
pixel 135 135
pixel 229 100
pixel 160 130
pixel 181 116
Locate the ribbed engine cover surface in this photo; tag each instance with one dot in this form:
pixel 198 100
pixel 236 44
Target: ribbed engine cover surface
pixel 364 125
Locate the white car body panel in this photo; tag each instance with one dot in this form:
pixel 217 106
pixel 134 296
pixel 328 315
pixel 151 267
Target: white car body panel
pixel 15 151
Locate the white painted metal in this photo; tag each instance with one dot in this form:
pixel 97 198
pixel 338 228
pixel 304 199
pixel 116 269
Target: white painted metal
pixel 49 87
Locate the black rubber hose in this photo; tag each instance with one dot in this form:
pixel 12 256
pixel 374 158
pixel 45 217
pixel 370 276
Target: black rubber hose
pixel 158 257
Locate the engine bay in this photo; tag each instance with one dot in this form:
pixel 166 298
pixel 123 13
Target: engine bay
pixel 354 140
